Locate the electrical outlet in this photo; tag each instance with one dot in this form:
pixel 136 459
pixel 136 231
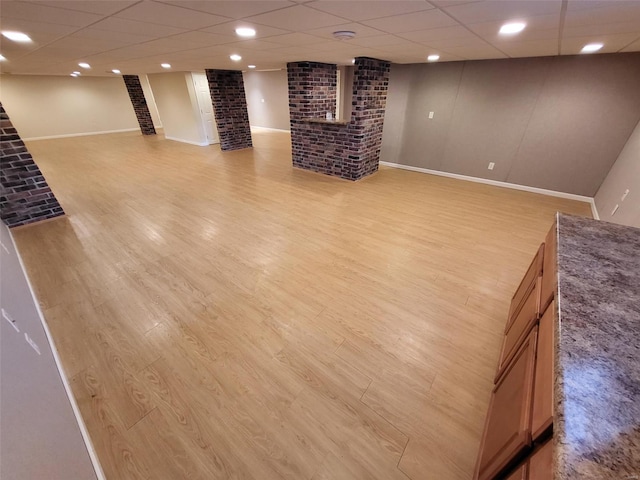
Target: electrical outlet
pixel 624 195
pixel 491 165
pixel 430 114
pixel 615 209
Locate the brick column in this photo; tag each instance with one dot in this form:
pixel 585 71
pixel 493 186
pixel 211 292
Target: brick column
pixel 25 196
pixel 230 108
pixel 369 101
pixel 139 104
pixel 348 150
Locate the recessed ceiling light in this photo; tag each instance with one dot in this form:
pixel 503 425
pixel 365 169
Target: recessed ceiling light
pixel 17 36
pixel 77 73
pixel 74 74
pixel 235 57
pixel 116 71
pixel 84 65
pixel 591 47
pixel 2 58
pixel 251 66
pixel 353 60
pixel 246 32
pixel 165 65
pixel 344 35
pixel 433 58
pixel 512 28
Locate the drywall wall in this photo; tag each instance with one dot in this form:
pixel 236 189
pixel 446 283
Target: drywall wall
pixel 624 175
pixel 345 89
pixel 46 106
pixel 177 106
pixel 40 437
pixel 151 101
pixel 267 99
pixel 556 123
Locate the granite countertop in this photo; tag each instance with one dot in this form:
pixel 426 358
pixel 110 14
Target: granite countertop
pixel 333 121
pixel 597 384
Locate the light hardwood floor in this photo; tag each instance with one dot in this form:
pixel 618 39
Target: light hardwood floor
pixel 222 315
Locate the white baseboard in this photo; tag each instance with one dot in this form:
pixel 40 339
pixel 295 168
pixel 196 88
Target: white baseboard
pixel 594 209
pixel 497 183
pixel 257 127
pixel 67 135
pixel 93 456
pixel 199 144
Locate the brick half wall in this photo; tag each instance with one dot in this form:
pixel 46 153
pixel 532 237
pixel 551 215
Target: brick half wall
pixel 25 196
pixel 139 102
pixel 349 150
pixel 230 108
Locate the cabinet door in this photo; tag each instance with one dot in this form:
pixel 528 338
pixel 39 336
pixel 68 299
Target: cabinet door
pixel 519 329
pixel 526 285
pixel 542 415
pixel 550 269
pixel 541 463
pixel 507 430
pixel 521 473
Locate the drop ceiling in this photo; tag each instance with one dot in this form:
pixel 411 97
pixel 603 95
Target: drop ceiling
pixel 137 36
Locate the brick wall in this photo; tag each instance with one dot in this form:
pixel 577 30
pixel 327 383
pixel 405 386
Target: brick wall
pixel 25 196
pixel 230 108
pixel 139 104
pixel 350 150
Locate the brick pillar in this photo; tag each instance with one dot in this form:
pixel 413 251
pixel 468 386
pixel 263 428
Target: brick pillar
pixel 230 108
pixel 369 101
pixel 25 196
pixel 139 104
pixel 351 149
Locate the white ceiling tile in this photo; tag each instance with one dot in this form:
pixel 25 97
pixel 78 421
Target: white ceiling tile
pixel 633 47
pixel 298 18
pixel 229 28
pixel 476 52
pixel 45 14
pixel 532 48
pixel 451 3
pixel 612 43
pixel 601 29
pixel 100 7
pixel 114 24
pixel 232 8
pixel 162 14
pixel 360 30
pixel 445 33
pixel 130 38
pixel 357 11
pixel 378 40
pixel 500 10
pixel 621 12
pixel 296 39
pixel 38 31
pixel 257 45
pixel 538 28
pixel 413 21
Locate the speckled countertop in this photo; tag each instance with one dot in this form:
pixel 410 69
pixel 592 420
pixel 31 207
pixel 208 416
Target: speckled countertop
pixel 597 385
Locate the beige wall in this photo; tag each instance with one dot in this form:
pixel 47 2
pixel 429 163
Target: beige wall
pixel 556 123
pixel 177 106
pixel 624 175
pixel 45 106
pixel 40 435
pixel 267 99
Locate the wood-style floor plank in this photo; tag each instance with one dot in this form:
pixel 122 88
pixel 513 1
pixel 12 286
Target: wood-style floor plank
pixel 225 316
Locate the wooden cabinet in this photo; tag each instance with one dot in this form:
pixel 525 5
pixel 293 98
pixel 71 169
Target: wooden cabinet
pixel 541 463
pixel 520 473
pixel 520 413
pixel 519 328
pixel 542 414
pixel 508 426
pixel 526 285
pixel 550 269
